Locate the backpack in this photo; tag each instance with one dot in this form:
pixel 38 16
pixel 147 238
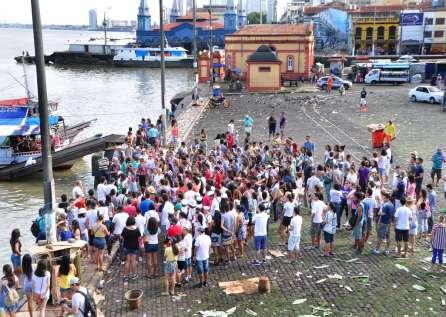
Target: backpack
pixel 89 305
pixel 35 228
pixel 11 297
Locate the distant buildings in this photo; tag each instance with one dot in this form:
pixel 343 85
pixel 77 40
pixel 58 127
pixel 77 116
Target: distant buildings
pixel 271 13
pixel 211 29
pixel 93 19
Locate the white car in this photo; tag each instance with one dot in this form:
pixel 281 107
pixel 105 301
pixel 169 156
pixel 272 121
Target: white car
pixel 426 93
pixel 406 59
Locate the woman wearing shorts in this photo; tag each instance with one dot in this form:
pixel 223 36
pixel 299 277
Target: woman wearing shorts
pixel 151 247
pixel 41 286
pixel 100 231
pixel 216 232
pixel 130 236
pixel 27 270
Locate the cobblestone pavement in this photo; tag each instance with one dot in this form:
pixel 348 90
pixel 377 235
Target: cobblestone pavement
pixel 388 291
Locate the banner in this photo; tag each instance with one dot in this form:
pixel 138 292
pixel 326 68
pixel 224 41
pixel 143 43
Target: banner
pixel 411 19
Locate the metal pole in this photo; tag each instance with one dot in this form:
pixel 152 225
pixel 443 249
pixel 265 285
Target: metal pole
pixel 211 77
pixel 163 77
pixel 261 12
pixel 104 24
pixel 194 40
pixel 47 164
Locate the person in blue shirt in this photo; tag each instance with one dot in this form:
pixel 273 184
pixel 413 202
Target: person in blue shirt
pixel 308 145
pixel 147 204
pixel 153 135
pixel 247 124
pixel 432 197
pixel 438 159
pixel 384 222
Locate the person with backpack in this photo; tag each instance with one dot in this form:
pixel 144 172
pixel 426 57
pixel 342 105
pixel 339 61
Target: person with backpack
pixel 8 293
pixel 82 303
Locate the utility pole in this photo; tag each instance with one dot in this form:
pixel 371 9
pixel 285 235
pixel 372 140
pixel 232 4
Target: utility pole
pixel 163 76
pixel 194 40
pixel 47 164
pixel 104 24
pixel 211 77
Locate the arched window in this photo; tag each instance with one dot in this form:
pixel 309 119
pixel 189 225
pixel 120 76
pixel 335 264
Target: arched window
pixel 392 32
pixel 381 33
pixel 290 63
pixel 369 33
pixel 358 32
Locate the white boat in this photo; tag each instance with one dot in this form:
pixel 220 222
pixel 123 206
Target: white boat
pixel 151 57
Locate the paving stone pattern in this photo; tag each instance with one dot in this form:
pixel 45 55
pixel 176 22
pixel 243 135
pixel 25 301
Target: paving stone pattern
pixel 388 292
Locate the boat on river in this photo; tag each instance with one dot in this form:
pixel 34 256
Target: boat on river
pixel 20 140
pixel 174 57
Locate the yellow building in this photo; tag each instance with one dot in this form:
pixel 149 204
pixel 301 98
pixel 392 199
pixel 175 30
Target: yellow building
pixel 375 27
pixel 293 44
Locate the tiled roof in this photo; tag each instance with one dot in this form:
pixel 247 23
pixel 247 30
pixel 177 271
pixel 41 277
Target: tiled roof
pixel 200 16
pixel 275 29
pixel 317 9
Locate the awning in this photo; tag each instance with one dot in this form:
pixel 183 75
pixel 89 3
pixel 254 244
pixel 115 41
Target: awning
pixel 11 118
pixel 14 122
pixel 14 102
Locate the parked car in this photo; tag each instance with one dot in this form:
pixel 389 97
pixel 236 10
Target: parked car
pixel 430 94
pixel 337 82
pixel 407 59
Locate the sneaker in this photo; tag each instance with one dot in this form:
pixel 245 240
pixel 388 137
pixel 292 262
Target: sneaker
pixel 376 252
pixel 199 285
pixel 205 284
pixel 387 252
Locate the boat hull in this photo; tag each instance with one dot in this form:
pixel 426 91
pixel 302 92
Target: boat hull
pixel 184 63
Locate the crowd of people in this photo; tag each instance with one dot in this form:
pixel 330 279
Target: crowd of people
pixel 187 205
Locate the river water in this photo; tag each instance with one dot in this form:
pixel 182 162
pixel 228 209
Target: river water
pixel 116 97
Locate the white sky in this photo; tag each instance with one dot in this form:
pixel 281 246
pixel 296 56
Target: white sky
pixel 76 11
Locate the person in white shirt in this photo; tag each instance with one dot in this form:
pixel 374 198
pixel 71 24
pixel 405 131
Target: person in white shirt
pixel 330 223
pixel 77 307
pixel 188 244
pixel 77 190
pixel 294 238
pixel 288 212
pixel 260 221
pixel 403 217
pixel 92 218
pixel 41 286
pixel 317 209
pixel 119 221
pixel 202 249
pixel 168 209
pixel 102 189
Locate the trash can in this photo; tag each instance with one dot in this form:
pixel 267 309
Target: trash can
pixel 378 138
pixel 216 91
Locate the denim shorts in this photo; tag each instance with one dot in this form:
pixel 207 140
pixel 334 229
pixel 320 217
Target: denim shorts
pixel 202 266
pixel 188 262
pixel 151 248
pixel 170 267
pixel 328 237
pixel 130 251
pixel 260 242
pixel 99 243
pixel 16 260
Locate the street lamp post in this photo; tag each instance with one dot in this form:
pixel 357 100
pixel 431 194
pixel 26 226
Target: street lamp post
pixel 163 78
pixel 47 164
pixel 211 73
pixel 194 40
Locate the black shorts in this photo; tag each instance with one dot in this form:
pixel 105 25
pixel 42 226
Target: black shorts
pixel 401 235
pixel 90 237
pixel 328 237
pixel 182 265
pixel 286 221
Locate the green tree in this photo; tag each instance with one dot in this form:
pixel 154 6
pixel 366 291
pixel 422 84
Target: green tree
pixel 254 18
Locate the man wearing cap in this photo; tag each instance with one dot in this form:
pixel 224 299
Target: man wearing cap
pixel 76 306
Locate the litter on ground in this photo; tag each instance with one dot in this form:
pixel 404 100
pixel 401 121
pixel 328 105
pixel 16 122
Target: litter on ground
pixel 299 301
pixel 246 286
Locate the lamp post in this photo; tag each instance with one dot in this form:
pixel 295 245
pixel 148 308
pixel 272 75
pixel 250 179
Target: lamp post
pixel 163 76
pixel 47 164
pixel 211 73
pixel 194 40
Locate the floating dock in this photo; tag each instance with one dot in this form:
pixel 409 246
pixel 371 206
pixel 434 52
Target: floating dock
pixel 63 157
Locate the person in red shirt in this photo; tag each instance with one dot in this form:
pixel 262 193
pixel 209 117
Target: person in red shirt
pixel 218 178
pixel 130 208
pixel 175 230
pixel 80 202
pixel 230 140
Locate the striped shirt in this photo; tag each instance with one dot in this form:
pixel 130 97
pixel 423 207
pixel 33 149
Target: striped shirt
pixel 439 237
